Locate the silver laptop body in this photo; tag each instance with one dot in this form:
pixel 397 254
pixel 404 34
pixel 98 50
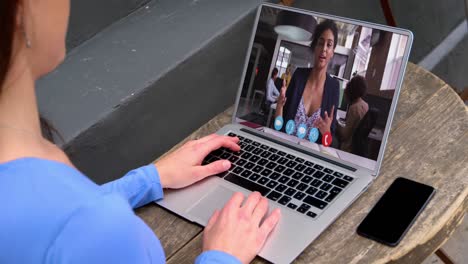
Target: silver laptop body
pixel 296 230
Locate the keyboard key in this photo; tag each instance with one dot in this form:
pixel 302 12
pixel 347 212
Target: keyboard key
pixel 222 174
pixel 284 179
pixel 292 183
pixel 284 200
pixel 291 164
pixel 257 169
pixel 237 170
pixel 306 179
pixel 281 188
pixel 318 174
pixel 311 190
pixel 315 202
pixel 255 143
pixel 311 214
pixel 272 184
pixel 274 157
pixel 254 177
pixel 266 172
pixel 346 177
pixel 288 172
pixel 321 194
pixel 302 186
pixel 262 162
pixel 271 165
pixel 327 170
pixel 291 157
pixel 275 175
pixel 326 186
pixel 303 208
pixel 316 183
pixel 233 159
pixel 257 151
pixel 300 160
pixel 340 183
pixel 241 162
pixel 246 155
pixel 248 140
pixel 290 192
pixel 336 190
pixel 254 158
pixel 309 171
pixel 328 178
pixel 338 174
pixel 232 134
pixel 299 195
pixel 300 167
pixel 280 168
pixel 263 180
pixel 308 163
pixel 249 148
pixel 225 155
pixel 243 145
pixel 265 147
pixel 274 195
pixel 273 150
pixel 265 154
pixel 292 206
pixel 297 175
pixel 251 186
pixel 217 152
pixel 246 174
pixel 282 161
pixel 281 153
pixel 318 167
pixel 330 197
pixel 240 137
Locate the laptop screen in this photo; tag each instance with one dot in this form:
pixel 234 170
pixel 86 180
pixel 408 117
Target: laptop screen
pixel 325 84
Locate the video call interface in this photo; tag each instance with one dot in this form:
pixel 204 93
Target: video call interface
pixel 323 84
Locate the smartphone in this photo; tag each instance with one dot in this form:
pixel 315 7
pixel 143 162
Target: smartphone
pixel 396 211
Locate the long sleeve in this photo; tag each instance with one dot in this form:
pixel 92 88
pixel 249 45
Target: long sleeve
pixel 272 92
pixel 215 257
pixel 139 186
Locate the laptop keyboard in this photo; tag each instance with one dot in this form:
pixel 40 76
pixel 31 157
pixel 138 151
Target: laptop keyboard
pixel 283 178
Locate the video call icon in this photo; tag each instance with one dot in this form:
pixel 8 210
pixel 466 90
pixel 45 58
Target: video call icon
pixel 313 134
pixel 279 123
pixel 290 127
pixel 301 131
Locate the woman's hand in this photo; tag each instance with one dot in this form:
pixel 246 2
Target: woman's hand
pixel 324 124
pixel 183 167
pixel 237 228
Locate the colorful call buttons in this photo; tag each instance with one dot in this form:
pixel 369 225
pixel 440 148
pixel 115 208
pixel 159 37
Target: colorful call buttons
pixel 301 131
pixel 327 139
pixel 313 135
pixel 278 123
pixel 290 126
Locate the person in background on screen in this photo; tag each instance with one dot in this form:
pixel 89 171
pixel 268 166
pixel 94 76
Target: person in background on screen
pixel 355 90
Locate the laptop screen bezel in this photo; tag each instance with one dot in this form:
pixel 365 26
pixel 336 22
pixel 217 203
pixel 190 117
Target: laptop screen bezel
pixel 399 83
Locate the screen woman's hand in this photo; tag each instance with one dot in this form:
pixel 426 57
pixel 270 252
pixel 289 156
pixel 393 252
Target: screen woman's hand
pixel 238 228
pixel 183 167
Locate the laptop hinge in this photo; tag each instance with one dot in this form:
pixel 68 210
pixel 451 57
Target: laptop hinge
pixel 344 166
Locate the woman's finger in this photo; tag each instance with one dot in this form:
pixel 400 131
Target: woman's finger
pixel 260 210
pixel 251 203
pixel 207 138
pixel 270 222
pixel 213 219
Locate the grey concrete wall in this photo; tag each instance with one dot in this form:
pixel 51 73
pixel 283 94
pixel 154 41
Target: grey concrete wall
pixel 141 85
pixel 88 17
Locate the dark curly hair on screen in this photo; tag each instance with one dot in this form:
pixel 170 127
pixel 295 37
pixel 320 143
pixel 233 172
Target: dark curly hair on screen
pixel 322 27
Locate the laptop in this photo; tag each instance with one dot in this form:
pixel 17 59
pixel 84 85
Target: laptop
pixel 312 177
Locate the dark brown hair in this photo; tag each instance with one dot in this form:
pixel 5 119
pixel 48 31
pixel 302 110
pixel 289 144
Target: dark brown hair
pixel 356 87
pixel 322 27
pixel 8 9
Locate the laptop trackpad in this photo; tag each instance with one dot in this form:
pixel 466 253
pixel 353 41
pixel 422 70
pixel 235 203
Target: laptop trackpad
pixel 216 199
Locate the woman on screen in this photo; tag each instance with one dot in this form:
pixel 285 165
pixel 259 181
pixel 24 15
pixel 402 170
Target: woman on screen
pixel 313 94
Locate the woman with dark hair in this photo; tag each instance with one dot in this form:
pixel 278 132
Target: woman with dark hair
pixel 312 94
pixel 52 213
pixel 355 90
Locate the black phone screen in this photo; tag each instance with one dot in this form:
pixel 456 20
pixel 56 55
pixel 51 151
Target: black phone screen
pixel 396 210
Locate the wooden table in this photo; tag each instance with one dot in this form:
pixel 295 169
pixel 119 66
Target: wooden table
pixel 428 143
